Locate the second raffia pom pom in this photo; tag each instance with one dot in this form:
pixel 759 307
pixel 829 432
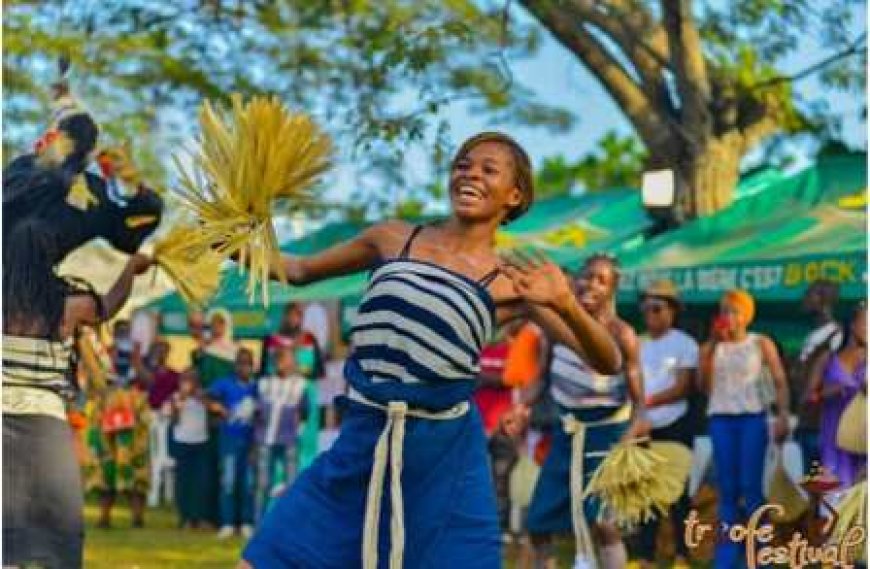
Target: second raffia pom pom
pixel 247 160
pixel 636 483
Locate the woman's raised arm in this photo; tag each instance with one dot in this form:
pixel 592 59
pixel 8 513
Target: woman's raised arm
pixel 354 255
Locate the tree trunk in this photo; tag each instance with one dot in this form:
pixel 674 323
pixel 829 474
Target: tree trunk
pixel 710 177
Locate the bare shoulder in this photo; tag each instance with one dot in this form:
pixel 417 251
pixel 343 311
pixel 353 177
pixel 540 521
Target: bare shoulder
pixel 623 332
pixel 388 236
pixel 766 343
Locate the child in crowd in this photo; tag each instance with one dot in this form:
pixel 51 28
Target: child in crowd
pixel 190 433
pixel 233 400
pixel 279 410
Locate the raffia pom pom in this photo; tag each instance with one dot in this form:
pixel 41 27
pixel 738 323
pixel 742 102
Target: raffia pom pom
pixel 246 161
pixel 852 512
pixel 191 264
pixel 635 483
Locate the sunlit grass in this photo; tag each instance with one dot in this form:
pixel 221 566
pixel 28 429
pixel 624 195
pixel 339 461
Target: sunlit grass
pixel 160 544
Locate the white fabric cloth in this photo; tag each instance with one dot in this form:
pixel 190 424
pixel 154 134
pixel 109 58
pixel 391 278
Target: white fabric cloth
pixel 143 330
pixel 829 332
pixel 315 319
pixel 279 393
pixel 162 484
pixel 661 359
pixel 326 438
pixel 702 456
pixel 333 383
pixel 192 425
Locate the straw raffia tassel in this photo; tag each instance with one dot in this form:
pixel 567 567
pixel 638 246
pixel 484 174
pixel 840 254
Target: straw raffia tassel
pixel 247 159
pixel 636 483
pixel 192 267
pixel 852 512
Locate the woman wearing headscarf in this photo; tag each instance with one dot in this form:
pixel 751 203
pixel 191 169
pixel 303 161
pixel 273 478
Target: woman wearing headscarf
pixel 219 356
pixel 216 361
pixel 732 371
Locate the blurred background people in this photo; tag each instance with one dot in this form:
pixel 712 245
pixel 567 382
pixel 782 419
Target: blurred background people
pixel 160 381
pixel 190 450
pixel 669 362
pixel 819 303
pixel 280 405
pixel 838 377
pixel 216 361
pixel 233 400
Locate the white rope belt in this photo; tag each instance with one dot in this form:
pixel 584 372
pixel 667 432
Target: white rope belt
pixel 577 430
pixel 389 450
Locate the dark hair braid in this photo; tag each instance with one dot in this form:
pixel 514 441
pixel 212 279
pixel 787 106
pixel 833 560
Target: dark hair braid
pixel 31 289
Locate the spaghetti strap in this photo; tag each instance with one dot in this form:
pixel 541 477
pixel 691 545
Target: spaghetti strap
pixel 488 278
pixel 407 248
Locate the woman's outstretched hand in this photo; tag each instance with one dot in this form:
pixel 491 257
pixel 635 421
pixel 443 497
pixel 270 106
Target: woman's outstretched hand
pixel 536 279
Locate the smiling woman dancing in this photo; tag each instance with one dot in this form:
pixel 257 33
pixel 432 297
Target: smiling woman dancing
pixel 435 296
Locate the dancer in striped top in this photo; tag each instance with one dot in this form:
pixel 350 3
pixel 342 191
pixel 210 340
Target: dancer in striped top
pixel 435 296
pixel 598 410
pixel 42 497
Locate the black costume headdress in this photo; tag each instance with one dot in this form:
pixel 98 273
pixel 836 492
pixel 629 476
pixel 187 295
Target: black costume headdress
pixel 52 184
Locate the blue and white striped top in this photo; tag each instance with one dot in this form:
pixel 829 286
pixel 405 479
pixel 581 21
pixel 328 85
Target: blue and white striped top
pixel 575 385
pixel 419 322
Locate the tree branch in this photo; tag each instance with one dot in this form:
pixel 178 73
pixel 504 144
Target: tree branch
pixel 648 118
pixel 637 21
pixel 648 64
pixel 855 48
pixel 758 130
pixel 687 56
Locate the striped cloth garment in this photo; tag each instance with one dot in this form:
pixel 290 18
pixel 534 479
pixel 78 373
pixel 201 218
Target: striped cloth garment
pixel 575 385
pixel 421 323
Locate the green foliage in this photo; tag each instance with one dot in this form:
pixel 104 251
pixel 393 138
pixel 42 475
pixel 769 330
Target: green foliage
pixel 380 74
pixel 747 42
pixel 616 162
pixel 376 73
pixel 409 209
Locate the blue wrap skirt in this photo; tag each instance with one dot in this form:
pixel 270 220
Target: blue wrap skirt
pixel 450 510
pixel 550 508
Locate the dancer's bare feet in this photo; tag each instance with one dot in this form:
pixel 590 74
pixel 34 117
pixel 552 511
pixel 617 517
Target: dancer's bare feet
pixel 244 565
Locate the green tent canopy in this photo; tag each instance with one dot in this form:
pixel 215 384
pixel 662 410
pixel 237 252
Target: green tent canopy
pixel 773 243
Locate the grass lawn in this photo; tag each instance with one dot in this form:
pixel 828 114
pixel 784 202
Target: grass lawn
pixel 161 545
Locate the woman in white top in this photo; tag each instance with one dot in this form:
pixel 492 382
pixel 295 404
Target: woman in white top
pixel 669 361
pixel 732 372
